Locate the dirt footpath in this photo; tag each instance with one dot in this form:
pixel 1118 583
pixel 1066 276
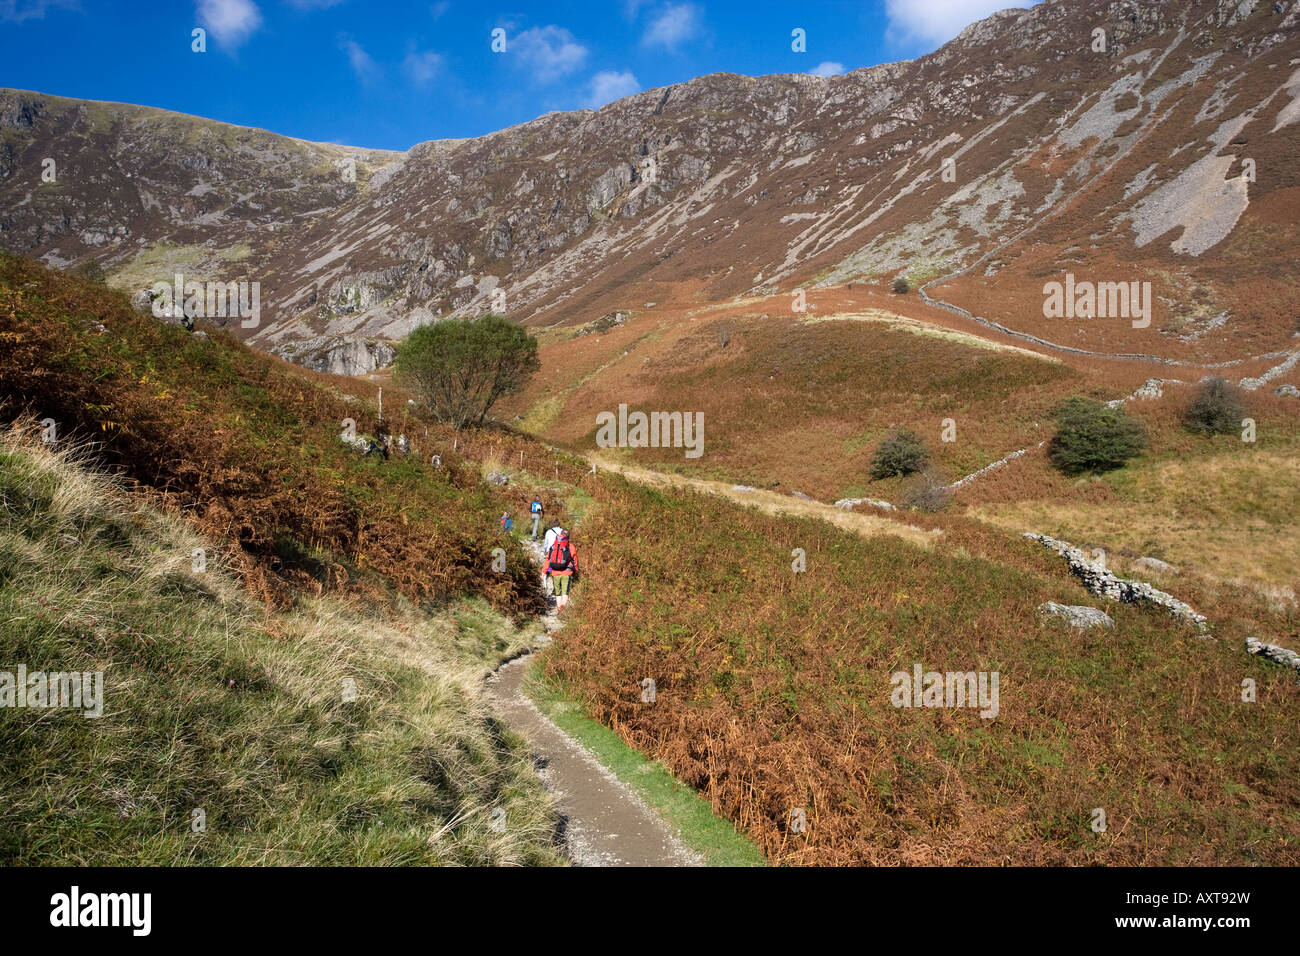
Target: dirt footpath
pixel 606 823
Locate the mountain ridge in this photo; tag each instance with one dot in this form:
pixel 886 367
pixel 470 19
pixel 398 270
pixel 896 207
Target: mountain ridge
pixel 728 185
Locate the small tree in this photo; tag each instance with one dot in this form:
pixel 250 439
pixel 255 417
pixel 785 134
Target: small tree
pixel 460 367
pixel 927 491
pixel 1092 437
pixel 902 453
pixel 901 286
pixel 1216 408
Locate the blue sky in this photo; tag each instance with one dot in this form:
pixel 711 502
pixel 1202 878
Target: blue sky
pixel 392 73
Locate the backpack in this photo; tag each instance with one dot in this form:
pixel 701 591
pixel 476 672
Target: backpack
pixel 536 507
pixel 560 558
pixel 506 523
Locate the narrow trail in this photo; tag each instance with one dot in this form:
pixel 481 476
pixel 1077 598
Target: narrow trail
pixel 770 502
pixel 604 821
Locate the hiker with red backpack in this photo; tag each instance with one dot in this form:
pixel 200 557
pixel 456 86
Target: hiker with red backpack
pixel 552 533
pixel 561 565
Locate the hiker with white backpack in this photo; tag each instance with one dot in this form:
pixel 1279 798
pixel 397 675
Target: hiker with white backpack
pixel 552 533
pixel 536 509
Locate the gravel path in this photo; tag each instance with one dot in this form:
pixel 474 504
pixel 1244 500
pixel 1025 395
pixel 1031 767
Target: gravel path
pixel 604 821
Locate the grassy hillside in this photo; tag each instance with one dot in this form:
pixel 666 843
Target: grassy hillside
pixel 799 404
pixel 1213 505
pixel 249 449
pixel 211 704
pixel 773 687
pixel 774 694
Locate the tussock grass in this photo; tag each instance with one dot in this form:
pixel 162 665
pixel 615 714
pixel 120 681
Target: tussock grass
pixel 214 704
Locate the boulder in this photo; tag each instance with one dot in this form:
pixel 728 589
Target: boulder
pixel 1288 391
pixel 1150 391
pixel 1076 615
pixel 1155 564
pixel 848 504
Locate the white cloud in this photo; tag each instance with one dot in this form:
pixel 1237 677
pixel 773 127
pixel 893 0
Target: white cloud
pixel 610 85
pixel 673 26
pixel 938 21
pixel 363 65
pixel 549 52
pixel 827 68
pixel 422 67
pixel 230 22
pixel 16 11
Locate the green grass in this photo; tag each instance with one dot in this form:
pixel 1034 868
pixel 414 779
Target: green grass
pixel 327 733
pixel 682 808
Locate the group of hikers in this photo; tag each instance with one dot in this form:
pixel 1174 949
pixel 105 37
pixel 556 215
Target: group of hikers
pixel 559 558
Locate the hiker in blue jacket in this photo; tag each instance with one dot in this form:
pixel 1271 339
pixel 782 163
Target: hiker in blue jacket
pixel 536 509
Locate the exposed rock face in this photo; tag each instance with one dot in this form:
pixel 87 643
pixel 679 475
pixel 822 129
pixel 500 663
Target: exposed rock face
pixel 1076 615
pixel 735 183
pixel 1287 391
pixel 1102 582
pixel 339 355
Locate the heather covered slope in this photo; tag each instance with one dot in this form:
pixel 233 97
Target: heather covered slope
pixel 773 693
pixel 250 448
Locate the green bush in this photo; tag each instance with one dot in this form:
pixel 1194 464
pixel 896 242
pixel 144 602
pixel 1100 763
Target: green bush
pixel 1216 408
pixel 1092 437
pixel 902 453
pixel 460 367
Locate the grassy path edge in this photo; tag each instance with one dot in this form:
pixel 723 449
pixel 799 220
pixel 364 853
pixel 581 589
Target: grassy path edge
pixel 684 810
